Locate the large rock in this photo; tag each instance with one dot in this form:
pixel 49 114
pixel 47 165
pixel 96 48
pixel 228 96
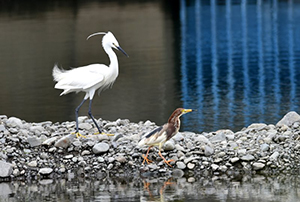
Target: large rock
pixel 289 119
pixel 65 141
pixel 34 141
pixel 100 148
pixel 14 122
pixel 5 169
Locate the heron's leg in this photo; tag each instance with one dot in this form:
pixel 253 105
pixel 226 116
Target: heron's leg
pixel 76 115
pixel 145 157
pixel 92 117
pixel 167 162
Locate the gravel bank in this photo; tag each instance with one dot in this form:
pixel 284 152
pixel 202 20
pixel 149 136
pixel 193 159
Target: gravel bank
pixel 49 150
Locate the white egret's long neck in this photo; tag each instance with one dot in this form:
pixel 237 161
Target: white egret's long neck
pixel 114 65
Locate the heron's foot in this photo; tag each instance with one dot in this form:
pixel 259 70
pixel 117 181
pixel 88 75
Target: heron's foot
pixel 78 135
pixel 146 159
pixel 168 161
pixel 98 133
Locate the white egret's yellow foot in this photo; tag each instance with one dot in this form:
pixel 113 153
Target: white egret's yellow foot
pixel 146 159
pixel 97 133
pixel 78 135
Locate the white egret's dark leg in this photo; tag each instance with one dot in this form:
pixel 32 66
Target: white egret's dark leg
pixel 76 113
pixel 91 115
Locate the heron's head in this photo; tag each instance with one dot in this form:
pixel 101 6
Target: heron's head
pixel 178 112
pixel 109 41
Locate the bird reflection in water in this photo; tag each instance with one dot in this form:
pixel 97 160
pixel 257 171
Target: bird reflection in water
pixel 147 184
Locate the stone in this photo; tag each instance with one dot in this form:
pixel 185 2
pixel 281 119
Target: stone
pixel 6 169
pixel 208 151
pixel 214 167
pixel 45 171
pixel 180 165
pixel 191 166
pixel 68 156
pixel 223 168
pixel 32 164
pixel 264 147
pixel 178 137
pixel 85 152
pixel 121 159
pixel 14 122
pixel 258 166
pixel 77 143
pixel 247 157
pixel 50 141
pixel 85 126
pixel 64 142
pixel 177 173
pixel 34 141
pixel 274 156
pixel 179 147
pixel 219 136
pixel 257 126
pixel 100 148
pixel 289 119
pixel 169 145
pixel 202 139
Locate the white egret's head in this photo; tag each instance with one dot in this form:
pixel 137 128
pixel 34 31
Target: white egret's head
pixel 109 40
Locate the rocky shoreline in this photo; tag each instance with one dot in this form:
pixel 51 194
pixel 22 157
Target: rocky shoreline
pixel 49 150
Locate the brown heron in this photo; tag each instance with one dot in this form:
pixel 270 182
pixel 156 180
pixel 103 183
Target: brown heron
pixel 162 134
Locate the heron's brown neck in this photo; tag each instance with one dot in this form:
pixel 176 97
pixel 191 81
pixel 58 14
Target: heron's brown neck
pixel 174 120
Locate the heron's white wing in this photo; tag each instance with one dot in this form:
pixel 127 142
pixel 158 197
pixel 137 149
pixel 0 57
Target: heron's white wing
pixel 154 137
pixel 82 78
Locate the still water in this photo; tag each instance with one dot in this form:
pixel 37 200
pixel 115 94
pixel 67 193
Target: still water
pixel 236 62
pixel 245 189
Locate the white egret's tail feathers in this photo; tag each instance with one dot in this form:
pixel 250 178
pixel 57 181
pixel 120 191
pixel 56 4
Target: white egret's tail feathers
pixel 57 73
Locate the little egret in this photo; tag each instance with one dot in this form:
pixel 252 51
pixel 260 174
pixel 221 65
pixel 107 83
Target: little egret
pixel 91 77
pixel 160 135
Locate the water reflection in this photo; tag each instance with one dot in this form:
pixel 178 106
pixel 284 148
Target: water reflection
pixel 221 188
pixel 248 59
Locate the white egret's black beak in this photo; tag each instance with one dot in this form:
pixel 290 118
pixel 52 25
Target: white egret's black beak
pixel 120 49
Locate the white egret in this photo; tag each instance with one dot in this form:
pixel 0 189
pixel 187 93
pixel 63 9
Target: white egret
pixel 91 77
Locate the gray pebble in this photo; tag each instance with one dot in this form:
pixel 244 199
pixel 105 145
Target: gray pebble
pixel 180 165
pixel 258 166
pixel 247 157
pixel 208 151
pixel 100 148
pixel 45 171
pixel 6 169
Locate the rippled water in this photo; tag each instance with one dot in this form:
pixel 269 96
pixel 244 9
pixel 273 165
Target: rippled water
pixel 247 188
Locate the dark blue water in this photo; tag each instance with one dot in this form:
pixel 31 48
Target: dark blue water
pixel 239 61
pixel 236 62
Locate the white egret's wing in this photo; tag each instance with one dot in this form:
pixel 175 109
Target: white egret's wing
pixel 81 78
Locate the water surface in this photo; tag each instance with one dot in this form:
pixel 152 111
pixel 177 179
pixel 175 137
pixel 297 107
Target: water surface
pixel 221 188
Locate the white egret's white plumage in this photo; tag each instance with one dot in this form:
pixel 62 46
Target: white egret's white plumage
pixel 160 135
pixel 92 77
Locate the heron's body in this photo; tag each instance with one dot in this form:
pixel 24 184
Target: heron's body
pixel 86 79
pixel 160 135
pixel 90 78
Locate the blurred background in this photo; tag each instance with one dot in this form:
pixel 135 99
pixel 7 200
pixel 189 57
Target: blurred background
pixel 236 62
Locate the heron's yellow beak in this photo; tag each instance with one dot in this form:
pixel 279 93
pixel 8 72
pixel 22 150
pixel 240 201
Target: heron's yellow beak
pixel 184 111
